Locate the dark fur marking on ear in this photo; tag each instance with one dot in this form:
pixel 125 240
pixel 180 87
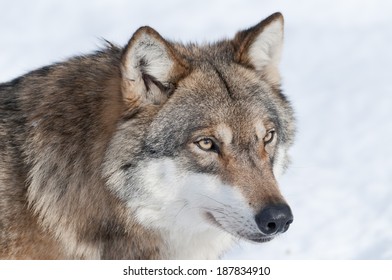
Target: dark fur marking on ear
pixel 148 79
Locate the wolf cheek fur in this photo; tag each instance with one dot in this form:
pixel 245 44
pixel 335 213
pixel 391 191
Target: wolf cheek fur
pixel 158 150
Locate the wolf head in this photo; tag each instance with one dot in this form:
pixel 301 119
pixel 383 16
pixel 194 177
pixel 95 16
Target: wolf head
pixel 205 134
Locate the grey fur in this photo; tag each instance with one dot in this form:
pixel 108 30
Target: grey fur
pixel 73 137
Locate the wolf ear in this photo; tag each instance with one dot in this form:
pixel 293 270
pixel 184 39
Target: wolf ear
pixel 150 68
pixel 260 46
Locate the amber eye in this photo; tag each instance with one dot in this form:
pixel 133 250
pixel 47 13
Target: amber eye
pixel 205 144
pixel 208 145
pixel 269 137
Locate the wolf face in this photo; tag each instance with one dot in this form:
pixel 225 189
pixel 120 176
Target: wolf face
pixel 212 130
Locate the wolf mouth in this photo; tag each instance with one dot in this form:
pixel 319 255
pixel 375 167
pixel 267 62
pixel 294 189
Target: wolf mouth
pixel 261 239
pixel 257 238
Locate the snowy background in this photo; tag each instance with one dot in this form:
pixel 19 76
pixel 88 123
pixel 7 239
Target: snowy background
pixel 337 71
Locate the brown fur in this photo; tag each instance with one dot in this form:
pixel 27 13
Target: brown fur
pixel 57 124
pixel 74 184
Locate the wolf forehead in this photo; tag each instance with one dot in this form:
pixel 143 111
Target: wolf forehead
pixel 220 93
pixel 204 100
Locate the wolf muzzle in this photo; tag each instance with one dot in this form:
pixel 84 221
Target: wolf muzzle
pixel 274 219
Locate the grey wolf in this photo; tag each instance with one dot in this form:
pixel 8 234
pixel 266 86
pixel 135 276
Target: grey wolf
pixel 155 150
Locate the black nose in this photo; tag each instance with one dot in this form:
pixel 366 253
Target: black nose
pixel 274 218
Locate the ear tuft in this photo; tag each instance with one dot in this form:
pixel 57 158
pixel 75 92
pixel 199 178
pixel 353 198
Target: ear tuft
pixel 260 46
pixel 150 67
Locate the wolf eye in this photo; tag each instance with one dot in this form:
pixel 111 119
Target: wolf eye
pixel 206 144
pixel 269 137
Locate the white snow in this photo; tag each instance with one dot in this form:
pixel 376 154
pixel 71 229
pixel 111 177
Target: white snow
pixel 336 70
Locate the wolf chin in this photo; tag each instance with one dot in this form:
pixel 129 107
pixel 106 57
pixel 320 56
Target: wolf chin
pixel 158 150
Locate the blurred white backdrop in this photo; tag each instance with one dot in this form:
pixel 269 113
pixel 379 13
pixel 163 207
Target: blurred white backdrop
pixel 336 70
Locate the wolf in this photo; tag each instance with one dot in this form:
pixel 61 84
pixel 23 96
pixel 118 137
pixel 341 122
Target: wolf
pixel 155 150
